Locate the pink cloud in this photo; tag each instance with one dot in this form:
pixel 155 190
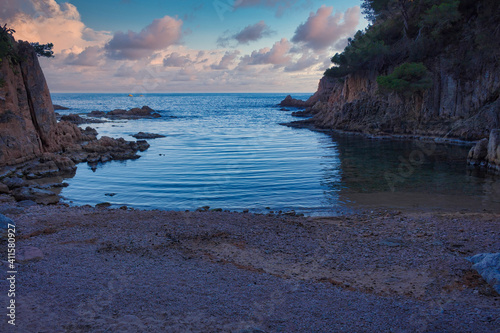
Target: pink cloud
pixel 156 36
pixel 322 29
pixel 277 55
pixel 90 57
pixel 175 59
pixel 226 61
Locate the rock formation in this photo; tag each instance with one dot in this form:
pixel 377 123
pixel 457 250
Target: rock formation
pixel 33 145
pixel 28 126
pixel 453 108
pixel 486 153
pixel 135 113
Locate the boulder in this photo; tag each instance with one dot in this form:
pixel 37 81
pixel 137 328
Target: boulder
pixel 486 153
pixel 14 182
pixel 488 266
pixel 40 196
pixel 479 153
pixel 4 189
pixel 494 150
pixel 4 226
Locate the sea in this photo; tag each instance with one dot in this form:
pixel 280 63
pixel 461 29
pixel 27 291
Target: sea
pixel 231 151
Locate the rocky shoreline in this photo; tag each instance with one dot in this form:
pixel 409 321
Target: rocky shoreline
pixel 484 154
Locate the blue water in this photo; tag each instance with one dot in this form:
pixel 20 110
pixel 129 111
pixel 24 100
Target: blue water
pixel 229 151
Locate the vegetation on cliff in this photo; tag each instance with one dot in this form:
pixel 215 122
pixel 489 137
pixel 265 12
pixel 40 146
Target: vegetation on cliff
pixel 466 32
pixel 8 46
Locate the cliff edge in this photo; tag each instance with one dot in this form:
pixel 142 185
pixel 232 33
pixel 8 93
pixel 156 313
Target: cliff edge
pixel 28 126
pixel 36 151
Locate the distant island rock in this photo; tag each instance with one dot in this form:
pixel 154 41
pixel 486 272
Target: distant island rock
pixel 59 107
pixel 142 135
pixel 135 113
pixel 76 119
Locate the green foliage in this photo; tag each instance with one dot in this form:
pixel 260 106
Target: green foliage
pixel 407 79
pixel 6 42
pixel 372 9
pixel 441 17
pixel 43 50
pixel 465 33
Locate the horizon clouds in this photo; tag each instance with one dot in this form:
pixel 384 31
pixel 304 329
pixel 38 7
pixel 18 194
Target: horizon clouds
pixel 162 52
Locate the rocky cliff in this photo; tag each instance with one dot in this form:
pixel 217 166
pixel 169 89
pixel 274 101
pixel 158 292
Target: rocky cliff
pixel 36 151
pixel 28 126
pixel 466 109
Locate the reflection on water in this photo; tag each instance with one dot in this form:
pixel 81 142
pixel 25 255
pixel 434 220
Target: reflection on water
pixel 411 174
pixel 228 151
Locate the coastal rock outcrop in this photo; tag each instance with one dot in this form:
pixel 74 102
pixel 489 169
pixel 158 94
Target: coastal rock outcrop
pixel 28 125
pixel 466 109
pixel 486 153
pixel 134 113
pixel 37 151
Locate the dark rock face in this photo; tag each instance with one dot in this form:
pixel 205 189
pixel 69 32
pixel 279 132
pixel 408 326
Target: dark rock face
pixel 28 125
pixel 458 108
pixel 34 147
pixel 486 153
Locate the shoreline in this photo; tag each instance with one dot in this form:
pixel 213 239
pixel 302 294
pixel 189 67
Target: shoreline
pixel 248 271
pixel 305 124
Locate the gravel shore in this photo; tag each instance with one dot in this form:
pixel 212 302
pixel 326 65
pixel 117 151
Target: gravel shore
pixel 117 270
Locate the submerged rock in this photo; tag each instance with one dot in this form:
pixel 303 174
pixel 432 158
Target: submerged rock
pixel 59 107
pixel 142 135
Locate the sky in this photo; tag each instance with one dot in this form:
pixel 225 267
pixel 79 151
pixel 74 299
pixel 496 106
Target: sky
pixel 148 46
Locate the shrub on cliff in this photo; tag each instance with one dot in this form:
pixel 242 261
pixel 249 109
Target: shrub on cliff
pixel 6 42
pixel 406 79
pixel 43 50
pixel 8 49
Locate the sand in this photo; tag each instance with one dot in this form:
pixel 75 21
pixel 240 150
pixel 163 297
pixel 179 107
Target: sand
pixel 113 270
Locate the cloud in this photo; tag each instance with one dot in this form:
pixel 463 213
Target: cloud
pixel 304 62
pixel 226 61
pixel 175 59
pixel 253 33
pixel 158 35
pixel 90 57
pixel 322 29
pixel 249 34
pixel 282 5
pixel 277 55
pixel 46 21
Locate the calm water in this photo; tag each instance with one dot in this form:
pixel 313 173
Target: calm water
pixel 229 151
